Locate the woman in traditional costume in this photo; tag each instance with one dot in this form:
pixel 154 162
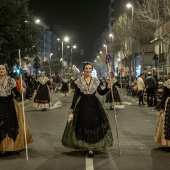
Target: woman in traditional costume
pixel 42 97
pixel 12 136
pixel 162 130
pixel 65 87
pixel 116 96
pixel 89 129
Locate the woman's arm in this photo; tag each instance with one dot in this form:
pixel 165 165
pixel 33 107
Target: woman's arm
pixel 76 95
pixel 104 91
pixel 16 92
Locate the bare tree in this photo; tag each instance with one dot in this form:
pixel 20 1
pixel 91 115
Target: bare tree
pixel 154 15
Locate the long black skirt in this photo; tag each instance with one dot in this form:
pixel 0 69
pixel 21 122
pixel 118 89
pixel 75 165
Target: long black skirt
pixel 90 128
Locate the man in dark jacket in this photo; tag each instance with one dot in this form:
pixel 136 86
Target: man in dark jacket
pixel 150 84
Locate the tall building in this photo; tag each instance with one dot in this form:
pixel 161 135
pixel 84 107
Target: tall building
pixel 44 52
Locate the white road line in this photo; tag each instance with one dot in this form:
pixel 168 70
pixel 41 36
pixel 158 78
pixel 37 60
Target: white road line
pixel 89 164
pixel 127 103
pixel 55 105
pixel 112 160
pixel 119 106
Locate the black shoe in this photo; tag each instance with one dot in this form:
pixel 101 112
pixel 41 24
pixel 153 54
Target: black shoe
pixel 139 104
pixel 90 154
pixel 111 108
pixel 143 104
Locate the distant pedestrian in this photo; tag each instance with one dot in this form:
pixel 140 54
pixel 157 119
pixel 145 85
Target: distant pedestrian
pixel 141 88
pixel 116 96
pixel 155 100
pixel 150 84
pixel 42 96
pixel 65 87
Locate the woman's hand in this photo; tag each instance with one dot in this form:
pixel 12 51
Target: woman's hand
pixel 22 90
pixel 109 85
pixel 162 110
pixel 71 111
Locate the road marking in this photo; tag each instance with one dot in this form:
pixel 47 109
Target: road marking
pixel 55 105
pixel 119 106
pixel 112 160
pixel 89 164
pixel 127 103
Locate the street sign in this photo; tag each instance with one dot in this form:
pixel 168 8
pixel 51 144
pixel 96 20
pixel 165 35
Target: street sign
pixel 121 70
pixel 36 65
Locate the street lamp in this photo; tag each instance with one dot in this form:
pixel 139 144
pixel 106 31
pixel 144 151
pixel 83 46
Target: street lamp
pixel 66 39
pixel 104 45
pixel 50 63
pixel 37 21
pixel 74 47
pixel 131 6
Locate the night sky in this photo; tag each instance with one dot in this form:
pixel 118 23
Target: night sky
pixel 89 18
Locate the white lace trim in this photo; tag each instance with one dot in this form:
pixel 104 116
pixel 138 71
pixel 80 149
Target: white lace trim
pixel 43 80
pixel 167 84
pixel 5 88
pixel 84 88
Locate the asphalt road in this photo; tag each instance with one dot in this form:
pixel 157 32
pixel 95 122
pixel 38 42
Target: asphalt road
pixel 135 126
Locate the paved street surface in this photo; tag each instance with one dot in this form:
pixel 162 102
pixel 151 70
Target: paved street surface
pixel 136 126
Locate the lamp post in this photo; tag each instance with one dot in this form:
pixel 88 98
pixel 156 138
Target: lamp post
pixel 66 39
pixel 104 45
pixel 131 6
pixel 73 47
pixel 50 63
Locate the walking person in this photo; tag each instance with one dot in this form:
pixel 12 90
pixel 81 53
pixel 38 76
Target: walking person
pixel 90 129
pixel 12 136
pixel 150 84
pixel 162 130
pixel 141 88
pixel 42 97
pixel 65 87
pixel 116 95
pixel 155 101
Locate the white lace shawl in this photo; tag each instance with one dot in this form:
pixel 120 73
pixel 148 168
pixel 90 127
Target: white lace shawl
pixel 84 88
pixel 167 84
pixel 5 88
pixel 43 80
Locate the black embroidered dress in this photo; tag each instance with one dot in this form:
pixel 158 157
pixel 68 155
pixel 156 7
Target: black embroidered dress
pixel 162 130
pixel 42 98
pixel 64 87
pixel 116 95
pixel 11 119
pixel 90 128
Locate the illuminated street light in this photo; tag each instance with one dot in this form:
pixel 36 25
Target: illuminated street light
pixel 104 45
pixel 37 21
pixel 66 39
pixel 74 46
pixel 130 6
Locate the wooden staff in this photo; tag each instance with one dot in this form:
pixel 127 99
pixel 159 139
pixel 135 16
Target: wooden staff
pixel 111 90
pixel 23 108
